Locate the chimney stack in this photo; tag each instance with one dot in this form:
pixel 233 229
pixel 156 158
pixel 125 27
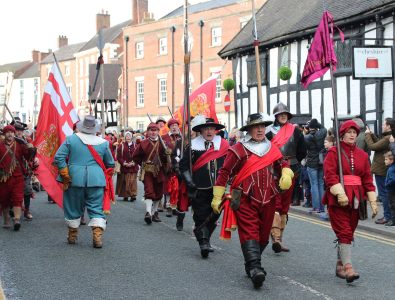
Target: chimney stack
pixel 62 41
pixel 38 56
pixel 102 20
pixel 139 7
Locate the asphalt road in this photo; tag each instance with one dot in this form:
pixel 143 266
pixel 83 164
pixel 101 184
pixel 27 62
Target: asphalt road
pixel 145 262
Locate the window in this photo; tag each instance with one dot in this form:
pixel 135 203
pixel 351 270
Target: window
pixel 140 50
pixel 284 60
pixel 69 89
pixel 24 117
pixel 218 89
pixel 162 91
pixel 140 93
pixel 67 70
pixel 216 36
pixel 344 54
pixel 163 46
pixel 140 126
pixel 22 93
pixel 251 70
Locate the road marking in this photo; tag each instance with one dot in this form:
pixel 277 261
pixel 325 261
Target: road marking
pixel 305 287
pixel 359 233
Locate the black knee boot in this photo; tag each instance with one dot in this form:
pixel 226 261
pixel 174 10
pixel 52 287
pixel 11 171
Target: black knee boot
pixel 180 221
pixel 252 256
pixel 203 236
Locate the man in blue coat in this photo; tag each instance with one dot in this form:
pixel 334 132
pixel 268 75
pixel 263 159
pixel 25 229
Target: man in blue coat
pixel 83 179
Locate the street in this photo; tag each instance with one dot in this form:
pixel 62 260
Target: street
pixel 139 261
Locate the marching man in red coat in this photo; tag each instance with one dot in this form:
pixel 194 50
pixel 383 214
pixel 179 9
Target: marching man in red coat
pixel 290 140
pixel 172 187
pixel 14 153
pixel 253 167
pixel 343 201
pixel 153 159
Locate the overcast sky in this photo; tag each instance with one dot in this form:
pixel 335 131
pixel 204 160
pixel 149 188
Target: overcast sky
pixel 35 24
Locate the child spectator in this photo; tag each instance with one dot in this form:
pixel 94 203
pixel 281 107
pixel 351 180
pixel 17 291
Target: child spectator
pixel 390 185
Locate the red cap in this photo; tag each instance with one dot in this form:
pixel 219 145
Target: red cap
pixel 172 121
pixel 347 125
pixel 153 126
pixel 8 128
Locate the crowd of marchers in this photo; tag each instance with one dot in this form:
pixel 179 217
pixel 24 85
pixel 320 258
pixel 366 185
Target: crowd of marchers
pixel 252 175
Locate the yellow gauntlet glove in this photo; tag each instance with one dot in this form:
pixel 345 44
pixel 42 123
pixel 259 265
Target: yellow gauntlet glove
pixel 218 192
pixel 286 178
pixel 338 191
pixel 64 173
pixel 372 198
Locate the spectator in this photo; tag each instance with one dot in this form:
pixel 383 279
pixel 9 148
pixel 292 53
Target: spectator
pixel 390 185
pixel 315 143
pixel 361 143
pixel 378 168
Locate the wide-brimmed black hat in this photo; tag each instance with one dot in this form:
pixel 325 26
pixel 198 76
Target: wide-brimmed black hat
pixel 18 125
pixel 208 122
pixel 256 119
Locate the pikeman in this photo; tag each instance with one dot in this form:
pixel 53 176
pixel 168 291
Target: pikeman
pixel 253 166
pixel 153 158
pixel 15 153
pixel 290 140
pixel 208 152
pixel 170 139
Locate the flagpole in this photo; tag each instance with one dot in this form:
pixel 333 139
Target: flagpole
pixel 257 60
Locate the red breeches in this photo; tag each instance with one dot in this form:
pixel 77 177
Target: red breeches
pixel 152 188
pixel 254 220
pixel 11 192
pixel 344 221
pixel 284 199
pixel 173 190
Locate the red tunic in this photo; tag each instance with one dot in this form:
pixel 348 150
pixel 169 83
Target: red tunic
pixel 344 220
pixel 124 154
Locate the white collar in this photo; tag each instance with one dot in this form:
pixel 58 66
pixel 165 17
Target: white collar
pixel 198 143
pixel 90 139
pixel 154 140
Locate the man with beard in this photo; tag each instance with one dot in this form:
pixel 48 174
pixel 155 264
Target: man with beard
pixel 206 155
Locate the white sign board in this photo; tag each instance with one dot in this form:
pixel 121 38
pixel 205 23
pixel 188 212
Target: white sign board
pixel 372 62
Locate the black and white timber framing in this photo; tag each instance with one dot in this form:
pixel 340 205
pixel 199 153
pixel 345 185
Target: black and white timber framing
pixel 285 29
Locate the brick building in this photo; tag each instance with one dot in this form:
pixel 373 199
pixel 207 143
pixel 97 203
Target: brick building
pixel 154 52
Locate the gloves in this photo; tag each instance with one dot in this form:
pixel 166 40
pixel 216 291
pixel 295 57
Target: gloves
pixel 338 191
pixel 188 180
pixel 372 198
pixel 64 173
pixel 286 178
pixel 218 192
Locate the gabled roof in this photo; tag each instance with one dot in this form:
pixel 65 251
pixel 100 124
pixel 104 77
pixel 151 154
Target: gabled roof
pixel 287 19
pixel 31 72
pixel 14 67
pixel 199 7
pixel 109 35
pixel 64 53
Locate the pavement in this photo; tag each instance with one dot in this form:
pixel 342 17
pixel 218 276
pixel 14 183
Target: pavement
pixel 367 225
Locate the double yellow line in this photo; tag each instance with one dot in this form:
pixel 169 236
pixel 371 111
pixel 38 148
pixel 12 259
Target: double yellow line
pixel 359 233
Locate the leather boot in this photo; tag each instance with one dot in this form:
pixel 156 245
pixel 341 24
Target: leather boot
pixel 97 233
pixel 276 233
pixel 252 256
pixel 340 272
pixel 211 228
pixel 72 236
pixel 180 221
pixel 148 218
pixel 203 237
pixel 283 224
pixel 17 217
pixel 350 274
pixel 155 217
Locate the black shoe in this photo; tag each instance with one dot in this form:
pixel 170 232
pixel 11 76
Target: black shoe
pixel 155 217
pixel 390 223
pixel 204 249
pixel 180 221
pixel 169 212
pixel 17 225
pixel 132 199
pixel 258 276
pixel 174 212
pixel 125 199
pixel 381 221
pixel 148 218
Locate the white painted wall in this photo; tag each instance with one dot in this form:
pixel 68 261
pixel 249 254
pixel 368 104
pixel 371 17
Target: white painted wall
pixel 273 57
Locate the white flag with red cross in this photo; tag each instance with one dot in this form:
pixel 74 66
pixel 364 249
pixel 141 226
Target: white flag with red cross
pixel 55 122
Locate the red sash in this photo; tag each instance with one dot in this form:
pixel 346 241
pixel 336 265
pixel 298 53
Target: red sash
pixel 210 155
pixel 109 194
pixel 352 180
pixel 282 137
pixel 255 163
